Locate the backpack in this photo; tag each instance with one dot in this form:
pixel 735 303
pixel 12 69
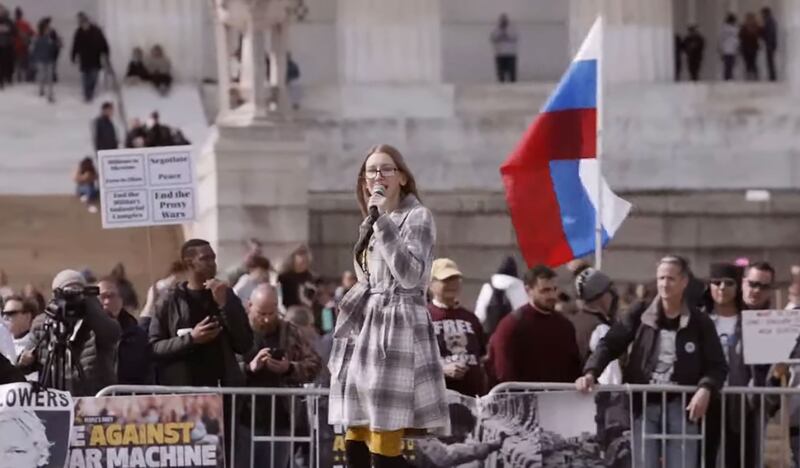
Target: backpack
pixel 499 306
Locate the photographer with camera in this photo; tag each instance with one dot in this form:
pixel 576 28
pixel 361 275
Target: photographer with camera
pixel 73 328
pixel 200 326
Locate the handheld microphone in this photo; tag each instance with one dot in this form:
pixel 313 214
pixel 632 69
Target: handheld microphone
pixel 373 210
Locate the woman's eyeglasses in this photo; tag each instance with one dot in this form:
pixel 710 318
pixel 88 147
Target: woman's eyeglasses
pixel 372 172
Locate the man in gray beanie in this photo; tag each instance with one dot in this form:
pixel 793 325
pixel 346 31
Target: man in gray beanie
pixel 598 303
pixel 93 343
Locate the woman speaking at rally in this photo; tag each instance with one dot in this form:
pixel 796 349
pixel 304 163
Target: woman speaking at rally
pixel 386 379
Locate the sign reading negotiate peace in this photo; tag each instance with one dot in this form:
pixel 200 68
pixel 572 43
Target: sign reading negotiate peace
pixel 147 186
pixel 770 336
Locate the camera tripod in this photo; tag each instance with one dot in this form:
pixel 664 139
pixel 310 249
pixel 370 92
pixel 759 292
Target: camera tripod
pixel 58 367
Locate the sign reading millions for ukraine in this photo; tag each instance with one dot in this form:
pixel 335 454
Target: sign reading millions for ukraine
pixel 147 432
pixel 554 188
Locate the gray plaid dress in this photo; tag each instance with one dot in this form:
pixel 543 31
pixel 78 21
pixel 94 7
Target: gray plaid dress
pixel 385 368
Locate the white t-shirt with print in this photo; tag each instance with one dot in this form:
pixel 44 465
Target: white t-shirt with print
pixel 667 356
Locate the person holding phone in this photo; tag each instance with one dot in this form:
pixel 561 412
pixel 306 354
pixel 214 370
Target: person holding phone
pixel 200 326
pixel 387 381
pixel 280 356
pixel 198 329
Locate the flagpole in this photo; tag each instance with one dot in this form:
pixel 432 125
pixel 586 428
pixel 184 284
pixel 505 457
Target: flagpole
pixel 598 232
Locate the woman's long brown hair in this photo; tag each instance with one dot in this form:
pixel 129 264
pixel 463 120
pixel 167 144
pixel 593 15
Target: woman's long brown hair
pixel 362 194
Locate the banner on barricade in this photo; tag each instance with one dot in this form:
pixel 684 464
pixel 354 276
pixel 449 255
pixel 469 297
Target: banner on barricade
pixel 34 426
pixel 771 336
pixel 148 432
pixel 557 428
pixel 147 186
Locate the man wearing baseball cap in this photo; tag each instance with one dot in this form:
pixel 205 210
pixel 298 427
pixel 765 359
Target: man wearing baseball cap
pixel 458 331
pixel 94 344
pixel 598 305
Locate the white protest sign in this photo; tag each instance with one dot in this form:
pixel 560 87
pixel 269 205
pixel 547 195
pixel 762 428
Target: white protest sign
pixel 769 335
pixel 147 186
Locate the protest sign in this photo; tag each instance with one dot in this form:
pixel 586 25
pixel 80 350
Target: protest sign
pixel 34 427
pixel 770 336
pixel 147 186
pixel 148 431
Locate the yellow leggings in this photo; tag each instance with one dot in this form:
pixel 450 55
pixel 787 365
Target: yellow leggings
pixel 386 443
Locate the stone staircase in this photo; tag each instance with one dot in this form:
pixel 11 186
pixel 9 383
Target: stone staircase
pixel 42 235
pixel 42 143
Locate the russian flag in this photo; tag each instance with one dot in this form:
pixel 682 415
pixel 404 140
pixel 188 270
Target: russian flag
pixel 552 177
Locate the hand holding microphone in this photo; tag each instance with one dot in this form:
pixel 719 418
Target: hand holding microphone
pixel 376 202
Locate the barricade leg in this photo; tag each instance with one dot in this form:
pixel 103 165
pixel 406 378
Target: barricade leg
pixel 682 453
pixel 646 450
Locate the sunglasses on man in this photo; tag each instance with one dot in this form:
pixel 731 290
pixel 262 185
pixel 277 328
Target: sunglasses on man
pixel 7 314
pixel 758 285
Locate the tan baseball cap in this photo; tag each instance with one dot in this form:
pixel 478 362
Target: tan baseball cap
pixel 444 268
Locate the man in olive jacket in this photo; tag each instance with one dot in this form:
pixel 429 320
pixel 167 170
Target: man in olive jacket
pixel 673 343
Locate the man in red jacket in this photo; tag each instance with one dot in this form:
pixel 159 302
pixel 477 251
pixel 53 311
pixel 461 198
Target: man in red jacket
pixel 535 343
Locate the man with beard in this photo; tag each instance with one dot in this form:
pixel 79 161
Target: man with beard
pixel 535 343
pixel 280 357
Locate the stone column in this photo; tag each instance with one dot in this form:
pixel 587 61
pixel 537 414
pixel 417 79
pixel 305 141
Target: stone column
pixel 389 41
pixel 223 65
pixel 253 172
pixel 791 40
pixel 639 37
pixel 253 182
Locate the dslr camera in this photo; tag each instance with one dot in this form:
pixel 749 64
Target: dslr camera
pixel 69 304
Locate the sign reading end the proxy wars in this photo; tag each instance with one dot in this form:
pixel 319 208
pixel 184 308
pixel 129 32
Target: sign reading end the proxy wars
pixel 147 186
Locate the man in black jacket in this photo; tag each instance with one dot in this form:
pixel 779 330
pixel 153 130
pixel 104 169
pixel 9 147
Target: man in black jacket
pixel 135 361
pixel 672 343
pixel 200 326
pixel 104 133
pixel 89 46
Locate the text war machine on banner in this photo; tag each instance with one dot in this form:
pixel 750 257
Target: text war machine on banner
pixel 148 432
pixel 147 186
pixel 34 427
pixel 771 336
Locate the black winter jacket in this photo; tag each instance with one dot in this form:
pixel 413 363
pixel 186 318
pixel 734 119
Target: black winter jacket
pixel 700 360
pixel 89 46
pixel 9 373
pixel 170 351
pixel 94 346
pixel 135 356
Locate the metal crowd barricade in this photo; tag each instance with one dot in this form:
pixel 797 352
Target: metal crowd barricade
pixel 305 399
pixel 756 405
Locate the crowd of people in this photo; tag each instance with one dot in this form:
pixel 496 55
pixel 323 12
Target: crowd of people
pixel 745 40
pixel 274 328
pixel 28 54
